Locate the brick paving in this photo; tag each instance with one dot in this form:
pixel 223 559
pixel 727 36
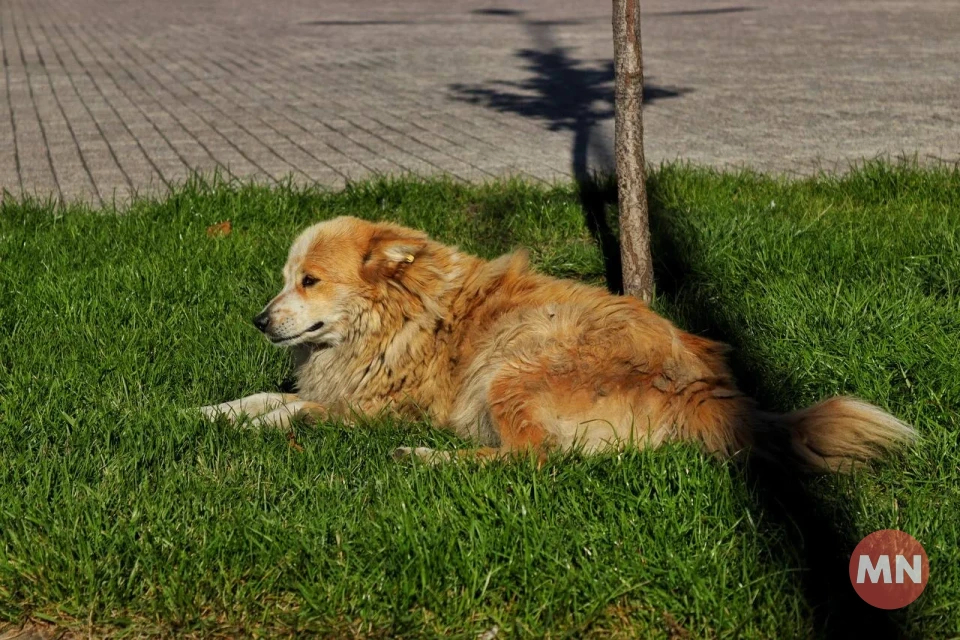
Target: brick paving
pixel 101 98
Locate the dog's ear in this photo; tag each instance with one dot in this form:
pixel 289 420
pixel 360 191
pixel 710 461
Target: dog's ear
pixel 391 252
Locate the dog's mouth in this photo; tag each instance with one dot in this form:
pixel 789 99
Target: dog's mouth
pixel 313 327
pixel 288 339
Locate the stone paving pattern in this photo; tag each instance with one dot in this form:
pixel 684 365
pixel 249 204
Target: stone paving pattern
pixel 102 98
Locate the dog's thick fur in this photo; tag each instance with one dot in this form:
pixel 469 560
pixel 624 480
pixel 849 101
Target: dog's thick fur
pixel 381 318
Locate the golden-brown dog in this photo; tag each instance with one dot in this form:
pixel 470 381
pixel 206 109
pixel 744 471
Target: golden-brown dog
pixel 380 317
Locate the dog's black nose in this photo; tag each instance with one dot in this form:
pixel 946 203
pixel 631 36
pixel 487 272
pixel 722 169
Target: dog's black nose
pixel 261 320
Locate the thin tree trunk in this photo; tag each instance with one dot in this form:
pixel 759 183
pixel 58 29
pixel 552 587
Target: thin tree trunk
pixel 631 174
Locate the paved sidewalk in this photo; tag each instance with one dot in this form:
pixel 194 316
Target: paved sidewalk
pixel 99 98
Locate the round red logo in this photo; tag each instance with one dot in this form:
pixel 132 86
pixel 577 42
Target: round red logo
pixel 889 569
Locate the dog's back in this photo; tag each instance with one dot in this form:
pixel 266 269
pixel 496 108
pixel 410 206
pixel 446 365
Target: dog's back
pixel 565 365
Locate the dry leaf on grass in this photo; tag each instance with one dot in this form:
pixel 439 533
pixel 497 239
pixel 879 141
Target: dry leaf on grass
pixel 220 229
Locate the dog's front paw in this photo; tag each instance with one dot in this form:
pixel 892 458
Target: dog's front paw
pixel 213 412
pixel 431 456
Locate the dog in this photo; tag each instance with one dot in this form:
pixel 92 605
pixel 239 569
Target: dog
pixel 381 318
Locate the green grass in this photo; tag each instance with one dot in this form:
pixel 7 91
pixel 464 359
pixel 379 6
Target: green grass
pixel 119 513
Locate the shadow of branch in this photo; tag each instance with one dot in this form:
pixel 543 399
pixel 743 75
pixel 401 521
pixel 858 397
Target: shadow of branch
pixel 566 93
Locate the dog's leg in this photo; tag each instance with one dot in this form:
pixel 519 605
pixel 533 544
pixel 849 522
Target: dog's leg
pixel 516 419
pixel 251 406
pixel 281 417
pixel 481 455
pixel 432 456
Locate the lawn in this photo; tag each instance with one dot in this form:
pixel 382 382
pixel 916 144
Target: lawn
pixel 121 513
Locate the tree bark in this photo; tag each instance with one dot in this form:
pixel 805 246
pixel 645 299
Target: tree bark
pixel 631 171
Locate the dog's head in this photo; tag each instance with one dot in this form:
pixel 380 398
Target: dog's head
pixel 335 274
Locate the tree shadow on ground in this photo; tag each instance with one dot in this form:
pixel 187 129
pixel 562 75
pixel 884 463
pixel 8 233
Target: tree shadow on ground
pixel 820 533
pixel 567 94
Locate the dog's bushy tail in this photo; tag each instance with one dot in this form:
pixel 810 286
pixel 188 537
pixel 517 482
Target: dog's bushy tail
pixel 837 435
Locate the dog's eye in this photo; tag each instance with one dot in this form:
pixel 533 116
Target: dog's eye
pixel 309 281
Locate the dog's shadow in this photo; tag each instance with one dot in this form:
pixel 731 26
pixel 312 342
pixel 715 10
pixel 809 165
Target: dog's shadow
pixel 820 534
